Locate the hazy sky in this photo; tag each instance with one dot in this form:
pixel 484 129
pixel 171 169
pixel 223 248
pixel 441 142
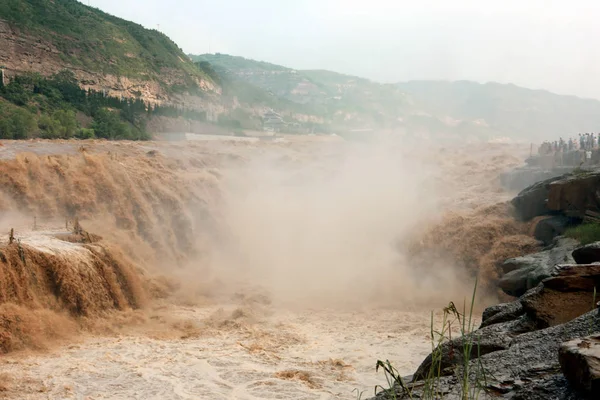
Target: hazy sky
pixel 545 44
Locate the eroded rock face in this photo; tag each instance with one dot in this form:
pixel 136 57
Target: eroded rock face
pixel 580 363
pixel 524 273
pixel 562 297
pixel 574 194
pixel 551 307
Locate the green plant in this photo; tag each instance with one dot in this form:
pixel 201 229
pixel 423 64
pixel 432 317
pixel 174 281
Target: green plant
pixel 85 133
pixel 585 233
pixel 472 376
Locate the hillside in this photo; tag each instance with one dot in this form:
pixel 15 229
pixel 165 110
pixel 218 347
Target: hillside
pixel 105 52
pixel 339 101
pixel 426 108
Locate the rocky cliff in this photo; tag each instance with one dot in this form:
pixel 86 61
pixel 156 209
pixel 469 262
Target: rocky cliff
pixel 105 53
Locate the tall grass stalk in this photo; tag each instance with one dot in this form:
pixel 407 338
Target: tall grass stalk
pixel 472 378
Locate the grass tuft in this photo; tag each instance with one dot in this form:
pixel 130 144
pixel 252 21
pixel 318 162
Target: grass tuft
pixel 585 233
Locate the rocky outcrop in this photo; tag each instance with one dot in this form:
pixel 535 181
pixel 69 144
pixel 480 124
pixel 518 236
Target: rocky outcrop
pixel 531 202
pixel 573 195
pixel 525 366
pixel 515 351
pixel 569 195
pixel 523 273
pixel 580 363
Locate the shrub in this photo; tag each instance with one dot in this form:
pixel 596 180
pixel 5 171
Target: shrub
pixel 22 124
pixel 108 125
pixel 62 125
pixel 68 123
pixel 49 127
pixel 85 133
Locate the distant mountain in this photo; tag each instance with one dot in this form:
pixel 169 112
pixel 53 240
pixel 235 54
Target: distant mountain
pixel 507 108
pixel 426 108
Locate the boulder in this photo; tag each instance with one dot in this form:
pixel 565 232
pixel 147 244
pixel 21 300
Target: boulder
pixel 548 228
pixel 524 273
pixel 531 202
pixel 574 194
pixel 587 254
pixel 580 363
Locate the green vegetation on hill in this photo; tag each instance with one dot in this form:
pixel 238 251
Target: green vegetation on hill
pixel 97 41
pixel 35 106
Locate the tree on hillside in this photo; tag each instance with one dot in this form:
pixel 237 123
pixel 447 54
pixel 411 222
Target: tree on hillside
pixel 108 125
pixel 66 83
pixel 15 92
pixel 21 124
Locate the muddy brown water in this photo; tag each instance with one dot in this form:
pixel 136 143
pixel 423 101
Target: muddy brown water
pixel 307 287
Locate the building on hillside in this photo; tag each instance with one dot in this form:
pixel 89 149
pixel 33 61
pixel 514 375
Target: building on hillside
pixel 273 122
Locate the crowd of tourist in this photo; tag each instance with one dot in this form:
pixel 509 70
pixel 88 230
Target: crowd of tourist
pixel 585 141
